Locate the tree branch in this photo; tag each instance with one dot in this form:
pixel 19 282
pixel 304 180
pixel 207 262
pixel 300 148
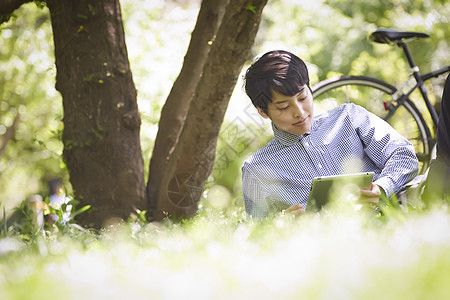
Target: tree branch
pixel 8 6
pixel 9 134
pixel 176 107
pixel 180 182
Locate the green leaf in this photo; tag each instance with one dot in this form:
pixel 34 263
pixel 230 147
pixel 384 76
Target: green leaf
pixel 40 4
pixel 81 210
pixel 88 77
pixel 91 9
pixel 251 8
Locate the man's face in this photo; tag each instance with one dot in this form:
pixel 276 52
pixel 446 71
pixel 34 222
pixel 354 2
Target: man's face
pixel 292 114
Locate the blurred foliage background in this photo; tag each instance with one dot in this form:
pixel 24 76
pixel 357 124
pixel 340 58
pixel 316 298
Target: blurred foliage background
pixel 330 35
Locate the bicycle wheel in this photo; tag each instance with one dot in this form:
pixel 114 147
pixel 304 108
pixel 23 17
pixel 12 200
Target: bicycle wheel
pixel 377 97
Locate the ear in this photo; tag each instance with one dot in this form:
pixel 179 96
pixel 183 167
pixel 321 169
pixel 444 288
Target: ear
pixel 262 113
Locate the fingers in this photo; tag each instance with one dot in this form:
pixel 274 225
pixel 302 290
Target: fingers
pixel 296 210
pixel 374 190
pixel 371 195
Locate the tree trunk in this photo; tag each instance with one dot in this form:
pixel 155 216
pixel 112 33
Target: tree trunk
pixel 8 6
pixel 189 163
pixel 173 114
pixel 101 119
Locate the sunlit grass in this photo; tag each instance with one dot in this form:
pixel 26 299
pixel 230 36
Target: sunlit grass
pixel 351 255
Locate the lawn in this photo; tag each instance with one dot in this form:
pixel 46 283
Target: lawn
pixel 333 255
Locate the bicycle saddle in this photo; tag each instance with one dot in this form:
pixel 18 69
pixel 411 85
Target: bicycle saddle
pixel 387 36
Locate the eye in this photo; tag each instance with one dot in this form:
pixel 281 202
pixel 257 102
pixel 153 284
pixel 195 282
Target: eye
pixel 302 97
pixel 284 108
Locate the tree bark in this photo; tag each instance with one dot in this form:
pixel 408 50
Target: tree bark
pixel 173 114
pixel 101 119
pixel 190 162
pixel 7 7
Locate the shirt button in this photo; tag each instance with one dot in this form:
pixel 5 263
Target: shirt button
pixel 306 144
pixel 320 166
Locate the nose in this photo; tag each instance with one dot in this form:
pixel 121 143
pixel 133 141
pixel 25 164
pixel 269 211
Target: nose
pixel 298 110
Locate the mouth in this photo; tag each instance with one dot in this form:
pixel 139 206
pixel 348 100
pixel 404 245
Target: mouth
pixel 301 122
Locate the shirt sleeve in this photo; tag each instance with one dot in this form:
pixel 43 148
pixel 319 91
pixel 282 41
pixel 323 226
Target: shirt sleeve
pixel 255 195
pixel 389 150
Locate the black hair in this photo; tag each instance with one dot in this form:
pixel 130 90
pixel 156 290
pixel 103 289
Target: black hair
pixel 279 71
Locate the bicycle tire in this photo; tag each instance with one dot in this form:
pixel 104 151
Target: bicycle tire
pixel 377 97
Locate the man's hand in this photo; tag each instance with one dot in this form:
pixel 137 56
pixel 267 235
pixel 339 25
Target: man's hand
pixel 295 210
pixel 370 195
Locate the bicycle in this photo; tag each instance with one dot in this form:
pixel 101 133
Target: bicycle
pixel 387 101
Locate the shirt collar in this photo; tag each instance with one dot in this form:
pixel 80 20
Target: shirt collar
pixel 289 139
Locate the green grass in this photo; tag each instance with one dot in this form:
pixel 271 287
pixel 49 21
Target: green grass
pixel 335 255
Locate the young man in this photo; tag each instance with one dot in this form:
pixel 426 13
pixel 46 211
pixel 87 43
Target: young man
pixel 347 139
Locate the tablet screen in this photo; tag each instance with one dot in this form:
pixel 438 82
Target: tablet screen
pixel 322 188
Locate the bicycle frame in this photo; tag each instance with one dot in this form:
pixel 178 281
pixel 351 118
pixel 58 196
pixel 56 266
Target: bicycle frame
pixel 394 98
pixel 426 77
pixel 420 79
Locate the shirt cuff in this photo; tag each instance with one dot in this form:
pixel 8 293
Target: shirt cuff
pixel 387 185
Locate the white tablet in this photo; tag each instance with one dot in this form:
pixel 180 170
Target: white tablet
pixel 323 187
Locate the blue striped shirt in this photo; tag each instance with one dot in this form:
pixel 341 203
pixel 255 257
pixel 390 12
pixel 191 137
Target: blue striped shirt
pixel 346 139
